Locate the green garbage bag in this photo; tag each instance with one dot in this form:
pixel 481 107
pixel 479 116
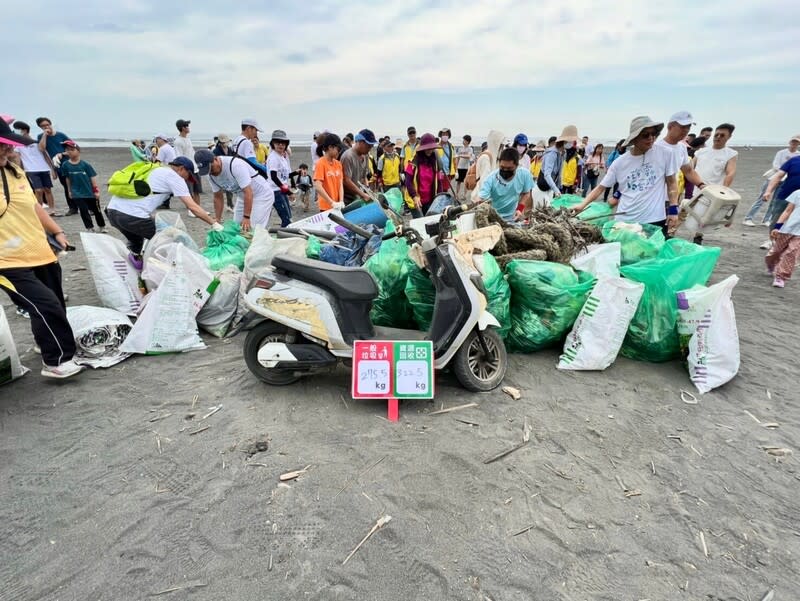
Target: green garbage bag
pixel 637 244
pixel 597 213
pixel 394 197
pixel 226 247
pixel 421 295
pixel 546 299
pixel 313 246
pixel 652 334
pixel 498 293
pixel 391 266
pixel 566 201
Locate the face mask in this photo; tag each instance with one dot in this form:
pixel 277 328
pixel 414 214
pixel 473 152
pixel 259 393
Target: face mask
pixel 445 139
pixel 522 149
pixel 568 145
pixel 507 174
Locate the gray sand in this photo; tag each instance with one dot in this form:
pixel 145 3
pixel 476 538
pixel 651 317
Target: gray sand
pixel 92 508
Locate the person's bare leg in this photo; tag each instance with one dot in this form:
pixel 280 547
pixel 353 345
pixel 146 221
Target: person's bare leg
pixel 50 199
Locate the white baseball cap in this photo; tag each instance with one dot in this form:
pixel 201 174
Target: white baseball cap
pixel 682 118
pixel 252 123
pixel 797 138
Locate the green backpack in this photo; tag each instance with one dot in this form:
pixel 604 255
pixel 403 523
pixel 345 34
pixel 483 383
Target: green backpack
pixel 131 182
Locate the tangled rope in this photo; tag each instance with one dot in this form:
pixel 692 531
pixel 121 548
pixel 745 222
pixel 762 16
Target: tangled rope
pixel 551 235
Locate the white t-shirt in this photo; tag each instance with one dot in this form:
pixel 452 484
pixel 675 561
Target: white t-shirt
pixel 32 158
pixel 183 148
pixel 164 182
pixel 782 156
pixel 236 175
pixel 792 225
pixel 678 151
pixel 276 162
pixel 641 184
pixel 710 163
pixel 314 157
pixel 465 162
pixel 243 147
pixel 166 154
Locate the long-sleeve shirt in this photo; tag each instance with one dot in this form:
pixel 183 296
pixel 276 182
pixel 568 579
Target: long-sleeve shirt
pixel 137 153
pixel 551 168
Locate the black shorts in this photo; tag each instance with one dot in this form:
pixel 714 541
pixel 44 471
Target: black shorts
pixel 197 186
pixel 39 179
pixel 462 175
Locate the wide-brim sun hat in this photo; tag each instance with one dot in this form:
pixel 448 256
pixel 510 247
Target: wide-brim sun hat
pixel 279 135
pixel 427 142
pixel 8 136
pixel 640 123
pixel 568 134
pixel 224 138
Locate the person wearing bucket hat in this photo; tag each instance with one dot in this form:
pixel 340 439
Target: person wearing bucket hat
pixel 280 172
pixel 27 262
pixel 447 154
pixel 646 179
pixel 234 175
pixel 425 178
pixel 547 183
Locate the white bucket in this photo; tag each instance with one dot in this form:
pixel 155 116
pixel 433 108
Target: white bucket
pixel 715 205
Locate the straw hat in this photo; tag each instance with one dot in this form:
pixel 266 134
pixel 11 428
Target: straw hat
pixel 568 134
pixel 540 146
pixel 224 138
pixel 640 123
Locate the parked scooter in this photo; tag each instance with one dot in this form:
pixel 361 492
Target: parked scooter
pixel 313 312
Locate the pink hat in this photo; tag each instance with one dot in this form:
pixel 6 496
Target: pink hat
pixel 7 118
pixel 9 137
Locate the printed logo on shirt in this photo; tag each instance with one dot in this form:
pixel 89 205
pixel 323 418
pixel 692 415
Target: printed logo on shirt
pixel 642 179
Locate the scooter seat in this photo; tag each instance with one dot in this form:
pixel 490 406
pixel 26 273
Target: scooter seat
pixel 345 283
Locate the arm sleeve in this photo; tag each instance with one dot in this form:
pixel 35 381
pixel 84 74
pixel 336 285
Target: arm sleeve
pixel 547 169
pixel 177 185
pixel 319 171
pixel 273 175
pixel 410 188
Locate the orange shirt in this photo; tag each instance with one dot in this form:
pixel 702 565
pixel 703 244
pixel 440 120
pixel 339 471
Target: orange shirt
pixel 331 175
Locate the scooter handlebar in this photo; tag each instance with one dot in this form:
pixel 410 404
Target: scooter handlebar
pixel 358 231
pixel 389 236
pixel 453 212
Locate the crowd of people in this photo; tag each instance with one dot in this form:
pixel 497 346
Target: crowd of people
pixel 644 177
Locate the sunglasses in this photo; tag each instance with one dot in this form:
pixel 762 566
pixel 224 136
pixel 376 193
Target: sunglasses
pixel 649 133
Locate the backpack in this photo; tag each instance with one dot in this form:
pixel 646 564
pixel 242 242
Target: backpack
pixel 131 181
pixel 471 179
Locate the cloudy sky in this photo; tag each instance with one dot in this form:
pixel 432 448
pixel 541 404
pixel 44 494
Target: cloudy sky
pixel 132 67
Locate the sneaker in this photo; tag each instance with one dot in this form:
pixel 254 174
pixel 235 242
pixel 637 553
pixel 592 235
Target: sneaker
pixel 103 230
pixel 65 370
pixel 765 223
pixel 136 261
pixel 23 313
pixel 71 212
pixel 770 271
pixel 748 222
pixel 767 245
pixel 36 349
pixel 778 282
pixel 90 230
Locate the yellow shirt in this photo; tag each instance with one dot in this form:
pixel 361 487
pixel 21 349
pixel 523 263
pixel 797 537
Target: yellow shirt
pixel 391 170
pixel 23 242
pixel 536 167
pixel 262 152
pixel 570 172
pixel 409 152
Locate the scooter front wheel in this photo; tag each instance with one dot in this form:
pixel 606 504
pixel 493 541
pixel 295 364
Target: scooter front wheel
pixel 480 369
pixel 264 332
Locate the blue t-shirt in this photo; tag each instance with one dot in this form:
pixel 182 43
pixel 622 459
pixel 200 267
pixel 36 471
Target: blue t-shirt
pixel 504 195
pixel 55 145
pixel 80 176
pixel 792 182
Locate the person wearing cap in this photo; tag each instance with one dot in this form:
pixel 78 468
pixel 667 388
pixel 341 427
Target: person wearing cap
pixel 235 175
pixel 280 172
pixel 38 167
pixel 447 155
pixel 520 144
pixel 389 167
pixel 780 158
pixel 314 157
pixel 678 128
pixel 134 217
pixel 83 189
pixel 508 188
pixel 183 148
pixel 222 148
pixel 242 144
pixel 27 261
pixel 547 183
pixel 50 141
pixel 424 176
pixel 166 153
pixel 409 149
pixel 646 178
pixel 355 165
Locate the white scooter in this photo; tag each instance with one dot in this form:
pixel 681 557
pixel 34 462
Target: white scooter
pixel 313 312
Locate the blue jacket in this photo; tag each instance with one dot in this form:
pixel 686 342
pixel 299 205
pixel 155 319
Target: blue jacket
pixel 552 162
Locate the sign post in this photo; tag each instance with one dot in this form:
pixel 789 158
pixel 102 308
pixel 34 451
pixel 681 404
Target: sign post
pixel 393 370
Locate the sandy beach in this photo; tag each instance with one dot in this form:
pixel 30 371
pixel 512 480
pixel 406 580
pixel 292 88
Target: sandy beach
pixel 110 491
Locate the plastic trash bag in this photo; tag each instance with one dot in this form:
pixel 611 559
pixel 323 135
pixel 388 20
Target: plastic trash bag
pixel 394 197
pixel 116 280
pixel 652 335
pixel 227 247
pixel 351 250
pixel 596 337
pixel 566 201
pixel 440 203
pixel 708 335
pixel 99 333
pixel 498 292
pixel 167 321
pixel 421 296
pixel 391 266
pixel 545 301
pixel 10 366
pixel 603 259
pixel 597 213
pixel 263 247
pixel 639 241
pixel 165 219
pixel 217 314
pixel 313 246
